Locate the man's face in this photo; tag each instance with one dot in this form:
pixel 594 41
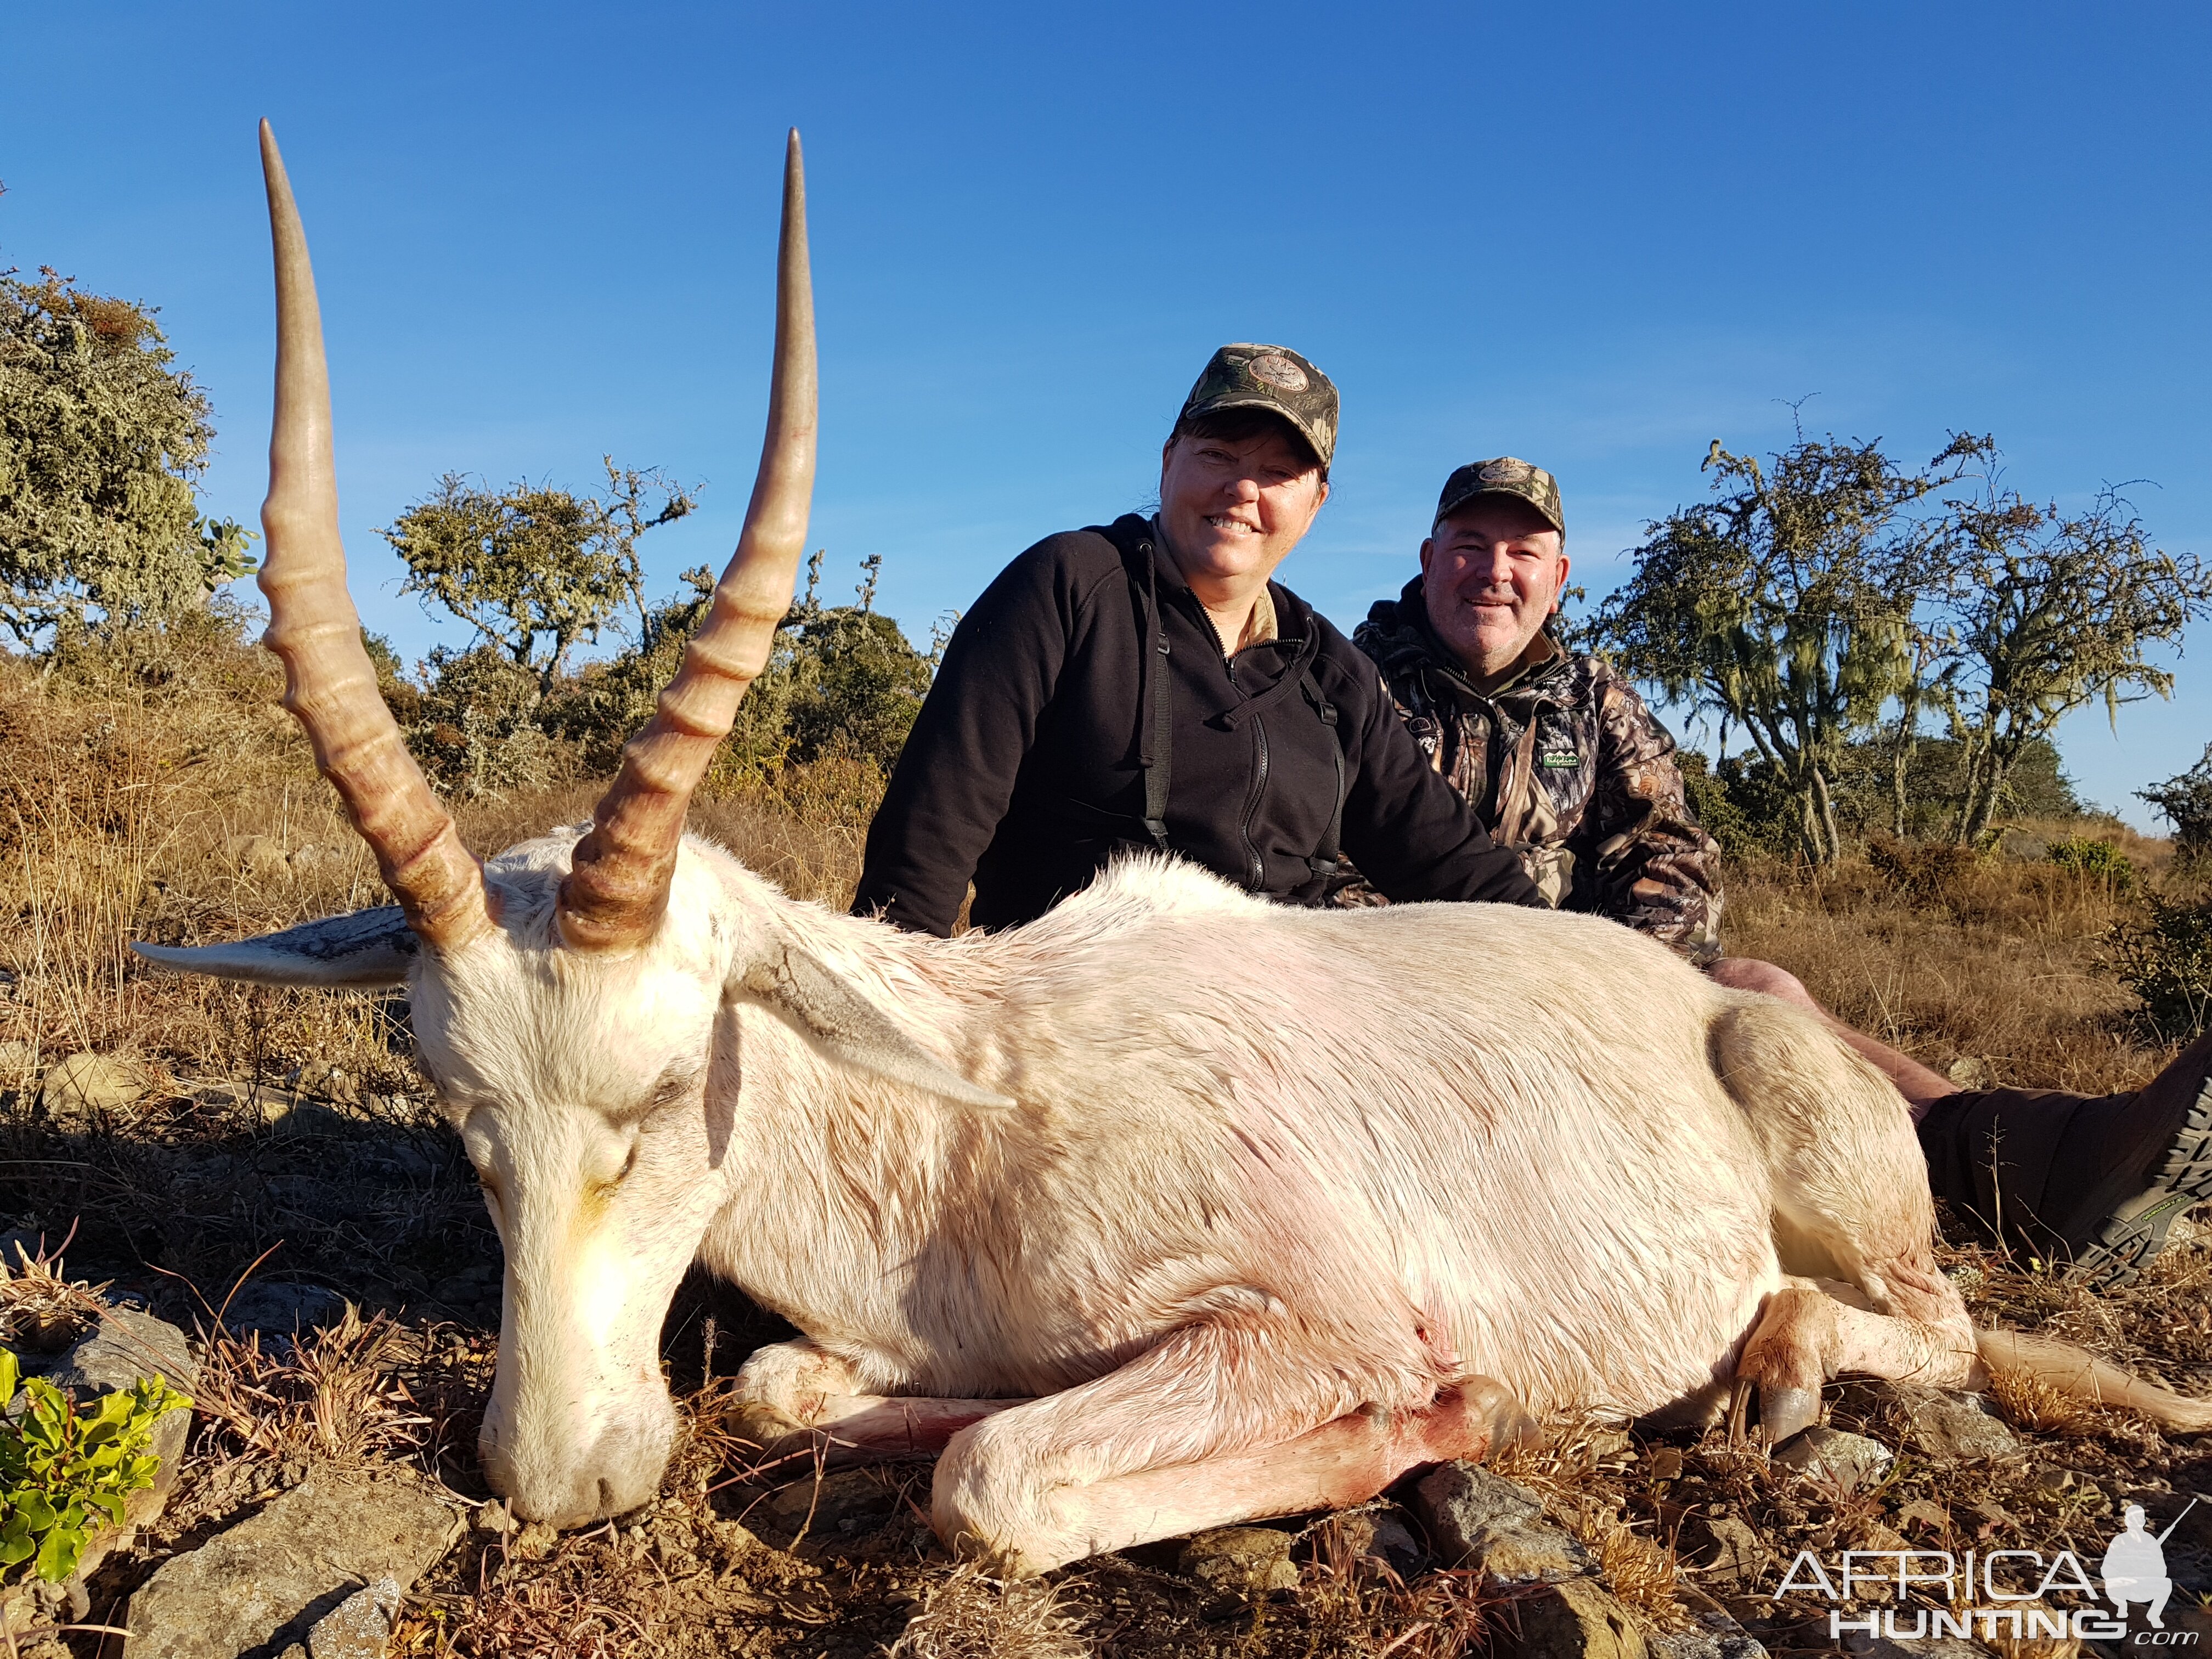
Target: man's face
pixel 1491 573
pixel 1232 505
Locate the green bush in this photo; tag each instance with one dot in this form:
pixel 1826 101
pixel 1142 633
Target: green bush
pixel 64 1468
pixel 1740 803
pixel 2165 959
pixel 2098 860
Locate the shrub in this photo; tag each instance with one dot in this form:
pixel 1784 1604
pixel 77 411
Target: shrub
pixel 2165 959
pixel 2186 801
pixel 1741 804
pixel 474 729
pixel 2100 861
pixel 64 1468
pixel 1922 869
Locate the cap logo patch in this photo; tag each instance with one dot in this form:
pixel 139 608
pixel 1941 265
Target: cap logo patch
pixel 1504 473
pixel 1279 372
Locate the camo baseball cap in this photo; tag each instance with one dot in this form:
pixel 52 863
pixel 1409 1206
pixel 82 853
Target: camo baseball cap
pixel 1506 475
pixel 1274 377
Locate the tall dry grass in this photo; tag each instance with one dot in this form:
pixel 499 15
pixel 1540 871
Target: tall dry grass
pixel 174 802
pixel 1993 965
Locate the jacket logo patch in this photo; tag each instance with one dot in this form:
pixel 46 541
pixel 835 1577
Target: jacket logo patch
pixel 1559 757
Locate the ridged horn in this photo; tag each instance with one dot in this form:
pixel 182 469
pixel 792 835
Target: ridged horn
pixel 617 884
pixel 330 686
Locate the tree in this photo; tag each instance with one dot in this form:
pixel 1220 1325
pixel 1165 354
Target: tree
pixel 1785 605
pixel 2185 801
pixel 2054 612
pixel 535 571
pixel 102 440
pixel 839 679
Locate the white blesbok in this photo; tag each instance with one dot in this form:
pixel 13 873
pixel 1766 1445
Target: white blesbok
pixel 1169 1210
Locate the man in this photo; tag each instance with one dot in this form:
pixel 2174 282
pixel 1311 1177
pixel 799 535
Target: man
pixel 1568 768
pixel 1146 684
pixel 1555 752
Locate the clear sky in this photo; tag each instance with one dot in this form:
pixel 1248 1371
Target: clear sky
pixel 1596 237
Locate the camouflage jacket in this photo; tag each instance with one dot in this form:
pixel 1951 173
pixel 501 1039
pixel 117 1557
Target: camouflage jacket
pixel 1566 765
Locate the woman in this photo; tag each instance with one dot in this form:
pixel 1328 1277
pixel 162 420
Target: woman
pixel 1143 683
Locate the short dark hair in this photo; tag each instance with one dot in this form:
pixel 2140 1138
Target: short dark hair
pixel 1237 426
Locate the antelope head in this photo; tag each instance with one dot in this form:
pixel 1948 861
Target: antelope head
pixel 569 1012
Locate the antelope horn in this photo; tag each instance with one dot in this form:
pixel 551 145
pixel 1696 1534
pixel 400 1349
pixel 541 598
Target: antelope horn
pixel 618 883
pixel 330 686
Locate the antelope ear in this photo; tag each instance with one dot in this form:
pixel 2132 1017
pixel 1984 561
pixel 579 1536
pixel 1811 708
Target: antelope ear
pixel 368 948
pixel 826 1005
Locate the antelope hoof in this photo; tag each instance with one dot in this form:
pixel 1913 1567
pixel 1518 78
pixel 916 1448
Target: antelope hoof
pixel 1784 1410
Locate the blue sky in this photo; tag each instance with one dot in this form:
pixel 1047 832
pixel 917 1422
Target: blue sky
pixel 1597 237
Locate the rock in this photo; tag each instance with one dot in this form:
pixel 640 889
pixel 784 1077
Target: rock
pixel 283 1307
pixel 1576 1619
pixel 271 1579
pixel 1930 1647
pixel 1971 1072
pixel 18 1061
pixel 359 1627
pixel 1851 1461
pixel 1478 1519
pixel 1716 1637
pixel 78 1084
pixel 493 1518
pixel 1740 1554
pixel 321 1080
pixel 1240 1561
pixel 257 855
pixel 125 1346
pixel 1383 1536
pixel 1947 1425
pixel 1666 1463
pixel 534 1543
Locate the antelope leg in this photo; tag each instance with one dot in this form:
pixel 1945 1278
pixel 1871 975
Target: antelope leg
pixel 1218 1423
pixel 798 1403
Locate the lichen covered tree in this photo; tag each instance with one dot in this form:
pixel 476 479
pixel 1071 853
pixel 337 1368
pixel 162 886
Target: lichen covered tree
pixel 102 442
pixel 1786 604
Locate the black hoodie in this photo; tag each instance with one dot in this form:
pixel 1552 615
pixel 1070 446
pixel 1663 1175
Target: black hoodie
pixel 1026 769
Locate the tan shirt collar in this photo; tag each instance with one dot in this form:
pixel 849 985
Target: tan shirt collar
pixel 1262 627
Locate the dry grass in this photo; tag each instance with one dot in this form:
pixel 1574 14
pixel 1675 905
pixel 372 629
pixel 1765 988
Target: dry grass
pixel 1999 967
pixel 41 1308
pixel 971 1616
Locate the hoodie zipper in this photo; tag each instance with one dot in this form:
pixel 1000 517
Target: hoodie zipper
pixel 1255 867
pixel 1256 870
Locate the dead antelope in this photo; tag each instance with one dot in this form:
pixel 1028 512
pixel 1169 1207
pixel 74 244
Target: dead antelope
pixel 1169 1210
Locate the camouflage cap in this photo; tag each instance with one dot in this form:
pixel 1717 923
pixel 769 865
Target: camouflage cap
pixel 1274 377
pixel 1506 475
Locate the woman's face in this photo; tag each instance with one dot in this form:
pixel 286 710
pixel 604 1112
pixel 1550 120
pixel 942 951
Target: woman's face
pixel 1234 506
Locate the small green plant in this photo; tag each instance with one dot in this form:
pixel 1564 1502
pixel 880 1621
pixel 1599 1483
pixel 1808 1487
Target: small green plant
pixel 2088 856
pixel 2166 961
pixel 64 1468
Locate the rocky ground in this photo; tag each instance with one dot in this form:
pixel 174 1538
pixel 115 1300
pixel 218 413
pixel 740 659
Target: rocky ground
pixel 325 1500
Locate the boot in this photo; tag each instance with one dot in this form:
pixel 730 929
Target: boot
pixel 2093 1182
